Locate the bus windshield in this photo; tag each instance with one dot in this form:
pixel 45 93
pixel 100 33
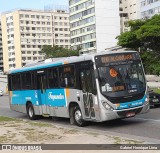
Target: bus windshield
pixel 122 80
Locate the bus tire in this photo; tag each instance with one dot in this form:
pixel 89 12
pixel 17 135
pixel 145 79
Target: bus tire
pixel 78 118
pixel 30 112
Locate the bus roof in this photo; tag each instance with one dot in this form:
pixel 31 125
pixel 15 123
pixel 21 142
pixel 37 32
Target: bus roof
pixel 61 61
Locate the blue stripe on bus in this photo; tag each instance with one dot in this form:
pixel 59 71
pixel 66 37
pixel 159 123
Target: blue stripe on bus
pixel 35 67
pixel 57 98
pixel 131 104
pixel 52 97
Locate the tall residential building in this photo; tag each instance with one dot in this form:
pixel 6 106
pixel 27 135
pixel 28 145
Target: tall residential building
pixel 1 52
pixel 149 8
pixel 129 10
pixel 26 31
pixel 95 24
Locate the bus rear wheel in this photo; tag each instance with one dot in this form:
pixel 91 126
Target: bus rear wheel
pixel 78 118
pixel 30 112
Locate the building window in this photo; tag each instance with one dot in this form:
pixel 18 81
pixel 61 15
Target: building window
pixel 34 58
pixel 21 15
pixel 24 58
pixel 32 16
pixel 26 16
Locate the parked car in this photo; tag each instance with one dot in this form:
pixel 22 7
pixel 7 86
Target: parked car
pixel 1 93
pixel 154 98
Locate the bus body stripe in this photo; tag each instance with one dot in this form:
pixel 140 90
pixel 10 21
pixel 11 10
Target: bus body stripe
pixel 132 104
pixel 35 68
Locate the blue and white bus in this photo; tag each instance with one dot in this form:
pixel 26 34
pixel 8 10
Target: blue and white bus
pixel 97 87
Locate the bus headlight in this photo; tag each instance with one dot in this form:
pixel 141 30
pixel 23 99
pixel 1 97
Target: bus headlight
pixel 146 101
pixel 107 106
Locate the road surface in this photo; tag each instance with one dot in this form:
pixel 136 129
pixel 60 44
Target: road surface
pixel 145 127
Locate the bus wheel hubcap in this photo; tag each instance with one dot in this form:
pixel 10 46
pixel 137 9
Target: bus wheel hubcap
pixel 30 112
pixel 78 116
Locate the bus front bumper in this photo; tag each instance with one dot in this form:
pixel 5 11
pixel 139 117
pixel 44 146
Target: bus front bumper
pixel 125 113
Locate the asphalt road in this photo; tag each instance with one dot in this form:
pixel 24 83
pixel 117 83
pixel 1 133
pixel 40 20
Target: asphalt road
pixel 145 127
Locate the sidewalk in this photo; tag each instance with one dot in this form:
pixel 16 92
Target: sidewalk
pixel 15 131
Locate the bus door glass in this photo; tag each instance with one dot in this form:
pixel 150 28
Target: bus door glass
pixel 88 92
pixel 41 86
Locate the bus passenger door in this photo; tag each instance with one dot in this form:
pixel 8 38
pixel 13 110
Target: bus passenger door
pixel 41 86
pixel 87 93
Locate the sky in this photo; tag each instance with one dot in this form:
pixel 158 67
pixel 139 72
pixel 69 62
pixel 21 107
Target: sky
pixel 8 5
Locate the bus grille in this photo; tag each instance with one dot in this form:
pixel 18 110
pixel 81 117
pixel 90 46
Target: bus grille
pixel 124 113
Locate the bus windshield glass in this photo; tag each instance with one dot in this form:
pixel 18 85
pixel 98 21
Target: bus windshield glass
pixel 122 77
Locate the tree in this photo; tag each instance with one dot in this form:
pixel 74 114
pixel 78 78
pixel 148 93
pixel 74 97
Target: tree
pixel 129 40
pixel 55 51
pixel 151 62
pixel 144 34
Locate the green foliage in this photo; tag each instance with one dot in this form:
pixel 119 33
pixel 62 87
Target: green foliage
pixel 151 62
pixel 128 40
pixel 55 51
pixel 144 34
pixel 156 90
pixel 136 24
pixel 7 119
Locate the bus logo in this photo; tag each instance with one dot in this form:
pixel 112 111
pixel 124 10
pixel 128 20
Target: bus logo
pixel 55 97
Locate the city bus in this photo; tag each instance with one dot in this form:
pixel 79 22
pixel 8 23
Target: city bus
pixel 96 87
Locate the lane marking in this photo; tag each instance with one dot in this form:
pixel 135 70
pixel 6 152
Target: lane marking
pixel 147 119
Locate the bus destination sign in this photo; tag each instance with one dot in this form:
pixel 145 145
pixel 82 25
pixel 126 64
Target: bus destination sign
pixel 116 58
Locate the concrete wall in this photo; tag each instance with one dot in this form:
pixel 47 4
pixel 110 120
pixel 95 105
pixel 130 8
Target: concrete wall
pixel 153 81
pixel 4 42
pixel 107 23
pixel 17 40
pixel 3 83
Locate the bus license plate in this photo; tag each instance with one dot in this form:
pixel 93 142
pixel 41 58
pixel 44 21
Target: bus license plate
pixel 155 100
pixel 130 114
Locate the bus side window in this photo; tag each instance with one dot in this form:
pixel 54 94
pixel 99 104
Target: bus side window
pixel 53 78
pixel 88 81
pixel 26 80
pixel 9 83
pixel 67 77
pixel 61 77
pixel 16 82
pixel 83 82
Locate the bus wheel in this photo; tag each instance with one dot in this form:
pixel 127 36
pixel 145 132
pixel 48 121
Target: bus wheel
pixel 30 112
pixel 78 118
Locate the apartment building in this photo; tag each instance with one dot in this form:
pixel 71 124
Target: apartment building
pixel 149 8
pixel 1 52
pixel 129 10
pixel 26 31
pixel 95 24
